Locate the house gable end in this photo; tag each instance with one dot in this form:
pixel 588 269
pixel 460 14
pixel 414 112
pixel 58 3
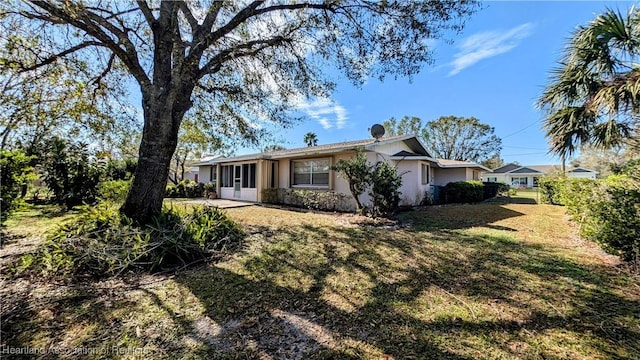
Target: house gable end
pixel 525 170
pixel 506 168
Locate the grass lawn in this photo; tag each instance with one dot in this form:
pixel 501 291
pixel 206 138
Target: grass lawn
pixel 494 280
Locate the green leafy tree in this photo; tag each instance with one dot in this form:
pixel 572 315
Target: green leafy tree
pixel 15 172
pixel 357 173
pixel 451 137
pixel 194 140
pixel 311 139
pixel 235 63
pixel 593 96
pixel 406 126
pixel 465 139
pixel 385 189
pixel 70 174
pixel 493 162
pixel 60 100
pixel 273 147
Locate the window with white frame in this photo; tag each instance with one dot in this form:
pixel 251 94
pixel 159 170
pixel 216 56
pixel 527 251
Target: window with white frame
pixel 425 173
pixel 311 172
pixel 518 181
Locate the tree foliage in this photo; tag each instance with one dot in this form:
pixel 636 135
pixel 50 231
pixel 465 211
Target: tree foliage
pixel 405 126
pixel 465 139
pixel 385 189
pixel 70 174
pixel 451 137
pixel 239 64
pixel 53 100
pixel 593 96
pixel 357 173
pixel 493 162
pixel 15 172
pixel 311 139
pixel 273 147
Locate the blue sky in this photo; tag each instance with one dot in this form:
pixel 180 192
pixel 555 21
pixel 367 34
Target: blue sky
pixel 494 71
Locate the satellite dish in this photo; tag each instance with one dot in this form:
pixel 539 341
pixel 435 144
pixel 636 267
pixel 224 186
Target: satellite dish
pixel 377 131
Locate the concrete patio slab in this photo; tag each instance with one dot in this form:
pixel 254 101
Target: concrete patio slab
pixel 221 203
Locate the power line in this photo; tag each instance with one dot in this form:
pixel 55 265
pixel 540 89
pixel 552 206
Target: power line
pixel 521 130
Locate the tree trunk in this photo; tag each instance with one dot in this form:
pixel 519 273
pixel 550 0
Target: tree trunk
pixel 163 114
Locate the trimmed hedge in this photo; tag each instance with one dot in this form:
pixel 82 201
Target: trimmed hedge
pixel 308 199
pixel 464 192
pixel 608 210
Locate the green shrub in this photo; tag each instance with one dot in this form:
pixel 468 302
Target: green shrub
pixel 120 169
pixel 114 190
pixel 15 172
pixel 209 187
pixel 492 189
pixel 70 174
pixel 608 210
pixel 385 189
pixel 464 191
pixel 309 199
pixel 185 189
pixel 102 242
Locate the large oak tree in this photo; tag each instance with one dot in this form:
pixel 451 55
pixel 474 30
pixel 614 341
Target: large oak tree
pixel 237 62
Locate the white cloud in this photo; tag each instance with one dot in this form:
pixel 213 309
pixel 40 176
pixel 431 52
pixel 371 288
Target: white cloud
pixel 488 44
pixel 326 112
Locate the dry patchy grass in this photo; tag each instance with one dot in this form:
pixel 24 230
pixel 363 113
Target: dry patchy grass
pixel 461 282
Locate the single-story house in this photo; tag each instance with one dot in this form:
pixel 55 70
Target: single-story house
pixel 245 177
pixel 527 176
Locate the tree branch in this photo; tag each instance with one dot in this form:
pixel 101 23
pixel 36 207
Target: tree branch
pixel 193 23
pixel 53 58
pixel 93 25
pixel 233 53
pixel 147 13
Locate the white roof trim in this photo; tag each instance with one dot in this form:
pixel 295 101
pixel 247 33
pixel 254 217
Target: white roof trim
pixel 470 165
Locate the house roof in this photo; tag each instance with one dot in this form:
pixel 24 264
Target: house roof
pixel 525 170
pixel 535 169
pixel 582 170
pixel 446 163
pixel 505 168
pixel 418 152
pixel 368 144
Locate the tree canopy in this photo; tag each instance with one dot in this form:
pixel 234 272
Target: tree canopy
pixel 239 64
pixel 593 95
pixel 451 137
pixel 311 139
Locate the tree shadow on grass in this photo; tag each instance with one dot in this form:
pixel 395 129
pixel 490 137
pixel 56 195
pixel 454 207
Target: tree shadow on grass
pixel 394 311
pixel 311 292
pixel 456 217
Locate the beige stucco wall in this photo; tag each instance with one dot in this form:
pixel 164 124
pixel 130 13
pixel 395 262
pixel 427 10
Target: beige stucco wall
pixel 443 176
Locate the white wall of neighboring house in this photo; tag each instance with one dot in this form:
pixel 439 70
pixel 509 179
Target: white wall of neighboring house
pixel 582 175
pixel 511 178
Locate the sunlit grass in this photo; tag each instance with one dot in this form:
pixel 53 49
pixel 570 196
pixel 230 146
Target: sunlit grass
pixel 499 280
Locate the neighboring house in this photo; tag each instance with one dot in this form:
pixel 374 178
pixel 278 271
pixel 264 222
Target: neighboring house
pixel 527 176
pixel 244 177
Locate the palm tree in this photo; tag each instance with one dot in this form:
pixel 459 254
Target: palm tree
pixel 594 96
pixel 311 139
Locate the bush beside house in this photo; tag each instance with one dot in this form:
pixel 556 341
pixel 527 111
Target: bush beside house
pixel 607 210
